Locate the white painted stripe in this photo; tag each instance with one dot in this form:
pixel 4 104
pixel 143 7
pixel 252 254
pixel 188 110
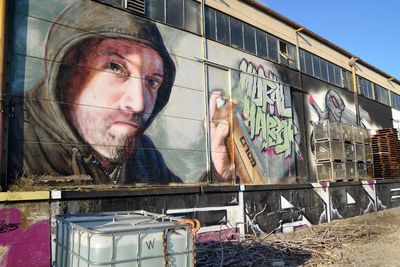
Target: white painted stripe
pixel 242 187
pixel 174 211
pixel 285 204
pixel 55 194
pixel 240 214
pixel 350 199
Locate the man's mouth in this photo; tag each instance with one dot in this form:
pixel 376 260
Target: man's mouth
pixel 126 126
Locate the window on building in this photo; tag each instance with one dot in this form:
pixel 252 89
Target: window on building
pixel 331 73
pixel 292 55
pixel 287 54
pixel 249 38
pixel 308 64
pixel 324 70
pixel 238 34
pixel 192 16
pixel 154 9
pixel 236 27
pixel 272 47
pixel 283 54
pixel 370 89
pixel 365 88
pixel 222 28
pixel 317 66
pixel 210 23
pixel 395 99
pixel 320 68
pixel 382 94
pixel 338 75
pixel 175 13
pixel 116 3
pixel 262 49
pixel 184 14
pixel 347 80
pixel 302 61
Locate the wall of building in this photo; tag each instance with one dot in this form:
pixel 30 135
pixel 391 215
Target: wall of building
pixel 178 132
pixel 224 211
pixel 230 118
pixel 274 107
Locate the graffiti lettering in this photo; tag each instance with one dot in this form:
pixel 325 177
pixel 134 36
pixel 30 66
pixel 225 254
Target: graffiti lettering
pixel 8 227
pixel 267 104
pixel 248 151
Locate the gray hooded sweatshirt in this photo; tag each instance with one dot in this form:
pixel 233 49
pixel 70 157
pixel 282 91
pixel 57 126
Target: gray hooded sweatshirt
pixel 44 142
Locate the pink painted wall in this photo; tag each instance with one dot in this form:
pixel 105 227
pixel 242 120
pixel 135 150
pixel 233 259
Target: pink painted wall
pixel 25 245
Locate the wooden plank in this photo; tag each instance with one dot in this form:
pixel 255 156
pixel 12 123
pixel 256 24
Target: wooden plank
pixel 22 196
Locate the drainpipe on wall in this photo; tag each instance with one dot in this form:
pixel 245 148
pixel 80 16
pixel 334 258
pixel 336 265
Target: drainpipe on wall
pixel 297 48
pixel 352 64
pixel 390 90
pixel 203 62
pixel 2 87
pixel 303 109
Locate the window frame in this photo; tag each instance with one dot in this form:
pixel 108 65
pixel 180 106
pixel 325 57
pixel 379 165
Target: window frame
pixel 395 100
pixel 240 46
pixel 252 29
pixel 365 88
pixel 378 95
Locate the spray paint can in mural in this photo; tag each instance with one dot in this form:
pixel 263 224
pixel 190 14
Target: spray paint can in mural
pixel 239 145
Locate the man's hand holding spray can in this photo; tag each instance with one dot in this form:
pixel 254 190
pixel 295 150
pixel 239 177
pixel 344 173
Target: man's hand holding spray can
pixel 229 132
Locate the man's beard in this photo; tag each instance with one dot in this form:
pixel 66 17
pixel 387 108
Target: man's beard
pixel 113 147
pixel 119 148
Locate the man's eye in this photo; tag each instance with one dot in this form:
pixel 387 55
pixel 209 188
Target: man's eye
pixel 115 67
pixel 153 83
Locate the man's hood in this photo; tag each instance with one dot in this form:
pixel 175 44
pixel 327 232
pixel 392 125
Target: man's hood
pixel 87 19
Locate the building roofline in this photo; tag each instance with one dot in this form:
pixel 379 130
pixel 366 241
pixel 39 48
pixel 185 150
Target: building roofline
pixel 317 37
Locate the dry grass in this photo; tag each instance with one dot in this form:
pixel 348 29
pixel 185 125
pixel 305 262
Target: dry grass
pixel 30 183
pixel 44 182
pixel 316 246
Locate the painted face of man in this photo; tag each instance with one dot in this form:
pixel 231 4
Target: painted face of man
pixel 114 90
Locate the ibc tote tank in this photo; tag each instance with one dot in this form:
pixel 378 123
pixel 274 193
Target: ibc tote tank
pixel 126 239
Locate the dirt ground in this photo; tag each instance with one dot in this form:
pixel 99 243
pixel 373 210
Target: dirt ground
pixel 381 250
pixel 368 240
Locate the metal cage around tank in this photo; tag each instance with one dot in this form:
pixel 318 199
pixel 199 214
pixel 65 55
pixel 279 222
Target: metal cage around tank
pixel 131 239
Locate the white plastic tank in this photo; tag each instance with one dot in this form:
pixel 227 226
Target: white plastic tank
pixel 129 239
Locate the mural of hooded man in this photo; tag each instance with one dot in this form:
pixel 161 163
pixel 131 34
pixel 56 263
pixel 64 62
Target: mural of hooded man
pixel 105 81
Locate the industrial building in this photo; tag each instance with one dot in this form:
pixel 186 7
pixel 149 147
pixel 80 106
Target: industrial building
pixel 223 111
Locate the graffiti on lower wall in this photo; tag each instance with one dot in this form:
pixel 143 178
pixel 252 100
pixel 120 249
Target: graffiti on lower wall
pixel 16 237
pixel 289 218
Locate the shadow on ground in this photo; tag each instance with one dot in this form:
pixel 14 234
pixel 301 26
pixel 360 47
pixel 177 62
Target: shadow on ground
pixel 253 252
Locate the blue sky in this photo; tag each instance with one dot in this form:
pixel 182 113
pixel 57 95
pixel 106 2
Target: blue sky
pixel 369 29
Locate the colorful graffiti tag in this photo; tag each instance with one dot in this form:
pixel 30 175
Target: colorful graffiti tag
pixel 267 104
pixel 33 240
pixel 270 118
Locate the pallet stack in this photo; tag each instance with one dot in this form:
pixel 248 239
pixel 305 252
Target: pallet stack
pixel 386 154
pixel 341 152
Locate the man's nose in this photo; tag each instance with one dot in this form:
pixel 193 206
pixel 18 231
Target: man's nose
pixel 134 97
